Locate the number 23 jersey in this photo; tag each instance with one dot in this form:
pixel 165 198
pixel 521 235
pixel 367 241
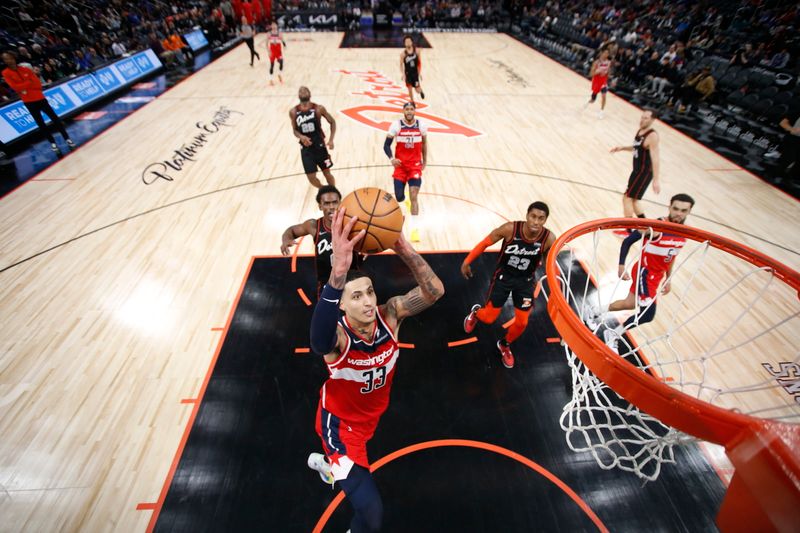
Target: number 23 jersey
pixel 357 390
pixel 519 257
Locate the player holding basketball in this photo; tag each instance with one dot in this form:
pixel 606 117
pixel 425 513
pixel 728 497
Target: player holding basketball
pixel 410 156
pixel 328 199
pixel 276 44
pixel 411 67
pixel 308 129
pixel 601 70
pixel 654 266
pixel 646 165
pixel 525 243
pixel 361 351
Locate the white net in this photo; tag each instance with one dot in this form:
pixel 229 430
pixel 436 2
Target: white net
pixel 718 329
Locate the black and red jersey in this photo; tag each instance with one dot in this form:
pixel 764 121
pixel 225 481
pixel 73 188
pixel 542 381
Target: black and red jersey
pixel 308 123
pixel 519 257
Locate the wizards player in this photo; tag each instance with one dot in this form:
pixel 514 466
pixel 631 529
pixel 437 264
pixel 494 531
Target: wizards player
pixel 276 43
pixel 653 268
pixel 358 339
pixel 600 71
pixel 410 156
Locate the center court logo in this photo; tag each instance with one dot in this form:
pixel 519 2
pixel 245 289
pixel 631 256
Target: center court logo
pixel 187 152
pixel 388 92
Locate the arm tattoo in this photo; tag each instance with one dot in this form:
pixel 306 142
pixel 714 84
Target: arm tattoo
pixel 429 287
pixel 414 302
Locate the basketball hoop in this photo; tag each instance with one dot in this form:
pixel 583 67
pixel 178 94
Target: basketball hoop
pixel 671 380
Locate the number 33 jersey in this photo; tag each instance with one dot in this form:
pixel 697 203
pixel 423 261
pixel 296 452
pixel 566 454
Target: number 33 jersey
pixel 357 390
pixel 519 257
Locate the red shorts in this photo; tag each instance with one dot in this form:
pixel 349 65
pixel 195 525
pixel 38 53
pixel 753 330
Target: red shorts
pixel 646 283
pixel 406 172
pixel 344 442
pixel 599 83
pixel 275 56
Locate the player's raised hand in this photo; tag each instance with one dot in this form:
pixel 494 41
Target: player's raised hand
pixel 342 243
pixel 623 274
pixel 466 270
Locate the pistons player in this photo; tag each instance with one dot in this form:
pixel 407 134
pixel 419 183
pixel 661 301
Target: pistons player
pixel 358 339
pixel 525 243
pixel 307 127
pixel 276 43
pixel 328 199
pixel 654 266
pixel 646 165
pixel 601 69
pixel 409 159
pixel 411 67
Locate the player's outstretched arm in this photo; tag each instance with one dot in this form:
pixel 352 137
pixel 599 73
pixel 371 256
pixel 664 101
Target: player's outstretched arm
pixel 295 232
pixel 503 232
pixel 622 149
pixel 326 336
pixel 429 287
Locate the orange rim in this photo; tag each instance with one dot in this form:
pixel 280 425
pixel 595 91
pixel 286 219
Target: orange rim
pixel 674 408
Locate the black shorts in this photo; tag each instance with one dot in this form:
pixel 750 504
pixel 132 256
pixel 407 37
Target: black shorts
pixel 638 184
pixel 521 290
pixel 315 156
pixel 412 78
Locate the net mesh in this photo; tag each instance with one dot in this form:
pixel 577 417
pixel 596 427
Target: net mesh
pixel 725 332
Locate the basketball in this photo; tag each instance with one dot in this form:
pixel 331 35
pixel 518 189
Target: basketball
pixel 377 212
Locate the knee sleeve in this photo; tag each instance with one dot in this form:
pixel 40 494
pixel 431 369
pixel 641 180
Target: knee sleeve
pixel 488 314
pixel 399 190
pixel 280 62
pixel 641 317
pixel 594 97
pixel 271 66
pixel 361 491
pixel 518 326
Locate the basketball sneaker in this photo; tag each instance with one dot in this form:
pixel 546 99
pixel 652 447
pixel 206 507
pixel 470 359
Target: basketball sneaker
pixel 505 354
pixel 317 461
pixel 471 320
pixel 612 340
pixel 415 235
pixel 592 316
pixel 601 115
pixel 70 143
pixel 54 147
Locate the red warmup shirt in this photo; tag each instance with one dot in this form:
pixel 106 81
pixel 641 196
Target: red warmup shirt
pixel 25 82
